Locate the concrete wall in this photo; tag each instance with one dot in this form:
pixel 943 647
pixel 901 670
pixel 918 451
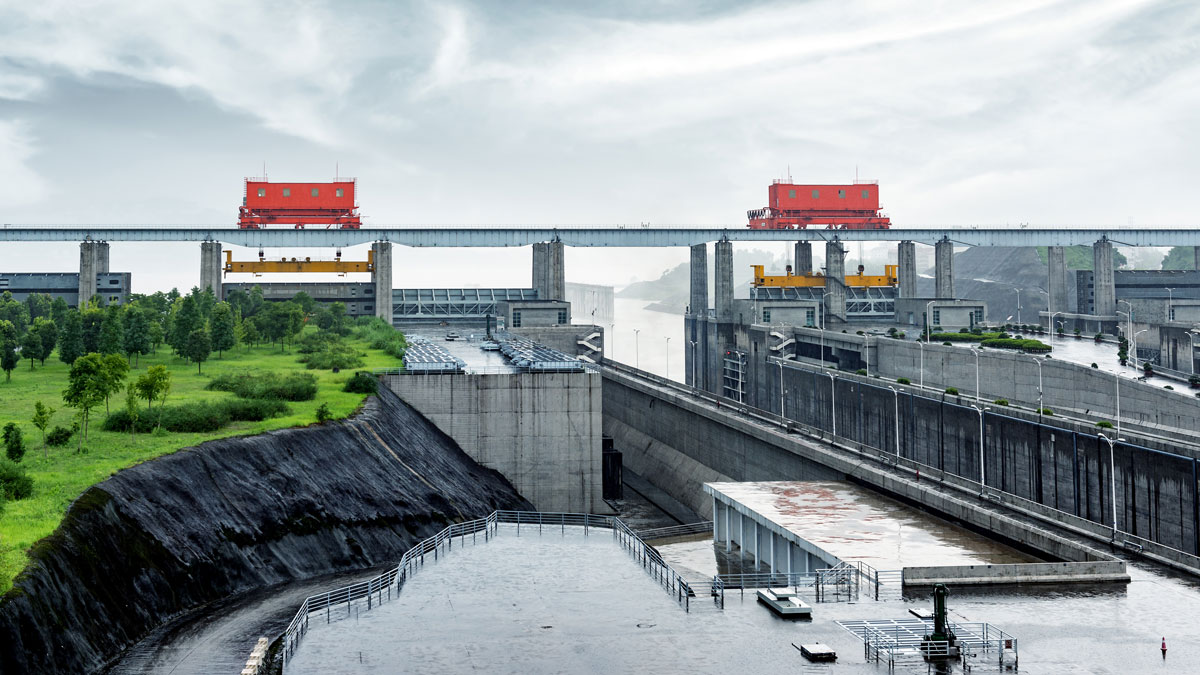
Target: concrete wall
pixel 359 298
pixel 211 267
pixel 381 278
pixel 1018 573
pixel 549 271
pixel 586 342
pixel 542 431
pixel 532 313
pixel 592 303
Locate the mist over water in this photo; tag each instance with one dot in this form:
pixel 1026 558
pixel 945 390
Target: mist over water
pixel 648 348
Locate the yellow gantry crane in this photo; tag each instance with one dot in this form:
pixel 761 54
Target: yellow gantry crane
pixel 790 280
pixel 301 265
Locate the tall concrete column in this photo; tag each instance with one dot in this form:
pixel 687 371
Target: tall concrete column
pixel 381 252
pixel 698 295
pixel 211 267
pixel 548 271
pixel 87 272
pixel 1196 257
pixel 102 258
pixel 723 286
pixel 803 264
pixel 943 269
pixel 906 261
pixel 1104 287
pixel 1056 262
pixel 835 281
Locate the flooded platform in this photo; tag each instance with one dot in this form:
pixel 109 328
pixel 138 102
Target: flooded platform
pixel 802 524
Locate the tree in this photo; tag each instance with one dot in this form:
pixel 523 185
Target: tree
pixel 222 324
pixel 112 338
pixel 47 331
pixel 305 302
pixel 39 306
pixel 8 348
pixel 93 319
pixel 157 335
pixel 42 415
pixel 154 383
pixel 70 344
pixel 1180 258
pixel 14 311
pixel 115 370
pixel 31 346
pixel 14 443
pixel 58 311
pixel 87 386
pixel 137 332
pixel 250 334
pixel 185 319
pixel 198 347
pixel 131 408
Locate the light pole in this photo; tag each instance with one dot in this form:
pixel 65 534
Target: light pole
pixel 896 398
pixel 833 402
pixel 922 346
pixel 821 311
pixel 668 359
pixel 612 333
pixel 1192 348
pixel 1039 365
pixel 1134 345
pixel 636 360
pixel 982 474
pixel 1112 462
pixel 1129 320
pixel 1052 331
pixel 1170 302
pixel 976 353
pixel 780 364
pixel 695 385
pixel 928 323
pixel 1018 305
pixel 867 352
pixel 1117 373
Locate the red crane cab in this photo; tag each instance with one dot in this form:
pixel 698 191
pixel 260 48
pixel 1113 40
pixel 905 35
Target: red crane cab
pixel 838 207
pixel 299 204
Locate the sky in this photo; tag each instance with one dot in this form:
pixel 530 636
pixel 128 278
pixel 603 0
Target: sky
pixel 668 112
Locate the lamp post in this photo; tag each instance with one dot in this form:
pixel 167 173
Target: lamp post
pixel 695 385
pixel 780 364
pixel 976 353
pixel 1052 331
pixel 896 399
pixel 1170 302
pixel 636 360
pixel 668 359
pixel 1129 321
pixel 1192 349
pixel 928 324
pixel 1117 374
pixel 922 346
pixel 1134 345
pixel 867 352
pixel 612 332
pixel 1039 365
pixel 833 402
pixel 982 474
pixel 821 312
pixel 1112 462
pixel 1018 305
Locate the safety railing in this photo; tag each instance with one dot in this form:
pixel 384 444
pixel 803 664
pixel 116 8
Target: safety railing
pixel 377 590
pixel 676 530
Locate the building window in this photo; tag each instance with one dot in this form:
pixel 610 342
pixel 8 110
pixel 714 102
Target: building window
pixel 262 192
pixel 937 317
pixel 841 194
pixel 114 282
pixel 516 322
pixel 1172 314
pixel 791 194
pixel 866 194
pixel 368 308
pixel 315 192
pixel 562 316
pixel 810 318
pixel 287 192
pixel 339 192
pixel 816 194
pixel 979 316
pixel 766 316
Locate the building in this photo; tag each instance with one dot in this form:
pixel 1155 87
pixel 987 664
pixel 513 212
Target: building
pixel 111 287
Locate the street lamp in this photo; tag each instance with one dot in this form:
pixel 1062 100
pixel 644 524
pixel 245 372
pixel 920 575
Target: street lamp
pixel 821 312
pixel 1117 374
pixel 1039 365
pixel 867 352
pixel 668 359
pixel 636 360
pixel 1134 345
pixel 1170 302
pixel 612 333
pixel 695 385
pixel 982 474
pixel 1052 331
pixel 833 402
pixel 780 364
pixel 922 346
pixel 1112 462
pixel 896 399
pixel 928 324
pixel 976 353
pixel 1129 320
pixel 1018 305
pixel 1192 348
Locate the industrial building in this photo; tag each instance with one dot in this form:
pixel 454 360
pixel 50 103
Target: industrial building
pixel 111 287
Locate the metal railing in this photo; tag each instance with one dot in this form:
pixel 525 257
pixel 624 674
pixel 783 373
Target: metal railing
pixel 676 530
pixel 378 589
pixel 844 582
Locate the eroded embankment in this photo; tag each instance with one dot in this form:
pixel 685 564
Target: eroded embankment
pixel 232 515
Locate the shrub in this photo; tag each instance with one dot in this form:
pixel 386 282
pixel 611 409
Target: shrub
pixel 199 416
pixel 945 344
pixel 1104 424
pixel 1169 387
pixel 1017 343
pixel 903 380
pixel 1001 401
pixel 362 383
pixel 291 387
pixel 323 414
pixel 1099 338
pixel 254 409
pixel 1047 412
pixel 953 391
pixel 14 443
pixel 1094 365
pixel 14 482
pixel 1194 381
pixel 335 356
pixel 311 342
pixel 860 371
pixel 1147 368
pixel 379 334
pixel 58 436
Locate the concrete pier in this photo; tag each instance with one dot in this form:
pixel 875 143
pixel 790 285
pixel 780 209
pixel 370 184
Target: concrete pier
pixel 724 281
pixel 835 281
pixel 211 267
pixel 1104 286
pixel 906 261
pixel 1196 257
pixel 698 290
pixel 943 269
pixel 1057 283
pixel 382 279
pixel 102 258
pixel 87 271
pixel 803 263
pixel 549 272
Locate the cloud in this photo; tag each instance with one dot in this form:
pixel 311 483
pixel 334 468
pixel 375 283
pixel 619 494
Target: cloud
pixel 19 184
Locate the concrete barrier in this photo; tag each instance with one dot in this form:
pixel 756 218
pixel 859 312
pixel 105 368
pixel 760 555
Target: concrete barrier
pixel 1097 571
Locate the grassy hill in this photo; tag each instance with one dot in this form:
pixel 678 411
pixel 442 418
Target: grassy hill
pixel 61 474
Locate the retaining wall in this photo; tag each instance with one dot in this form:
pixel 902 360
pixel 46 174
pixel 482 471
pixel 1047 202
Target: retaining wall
pixel 1018 573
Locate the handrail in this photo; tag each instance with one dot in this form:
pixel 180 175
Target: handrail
pixel 676 530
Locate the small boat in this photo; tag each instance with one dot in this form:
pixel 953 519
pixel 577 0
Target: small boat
pixel 785 603
pixel 817 651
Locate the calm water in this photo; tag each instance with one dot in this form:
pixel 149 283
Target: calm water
pixel 648 348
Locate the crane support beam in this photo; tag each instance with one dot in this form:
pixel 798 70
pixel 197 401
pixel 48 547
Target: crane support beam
pixel 299 265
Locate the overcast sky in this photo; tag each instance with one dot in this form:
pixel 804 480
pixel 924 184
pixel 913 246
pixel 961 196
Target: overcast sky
pixel 590 113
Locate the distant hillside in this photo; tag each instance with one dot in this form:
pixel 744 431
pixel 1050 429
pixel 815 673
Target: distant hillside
pixel 670 291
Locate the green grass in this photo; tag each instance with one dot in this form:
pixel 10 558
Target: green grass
pixel 65 474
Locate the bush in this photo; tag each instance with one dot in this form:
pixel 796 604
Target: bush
pixel 14 482
pixel 311 342
pixel 14 443
pixel 953 391
pixel 254 409
pixel 1147 368
pixel 362 383
pixel 1017 343
pixel 1094 365
pixel 860 371
pixel 291 387
pixel 1047 412
pixel 1194 381
pixel 335 356
pixel 1169 387
pixel 323 414
pixel 1001 401
pixel 903 380
pixel 1104 424
pixel 198 417
pixel 59 436
pixel 946 344
pixel 380 334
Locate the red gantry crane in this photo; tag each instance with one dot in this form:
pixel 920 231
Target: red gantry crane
pixel 838 207
pixel 299 204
